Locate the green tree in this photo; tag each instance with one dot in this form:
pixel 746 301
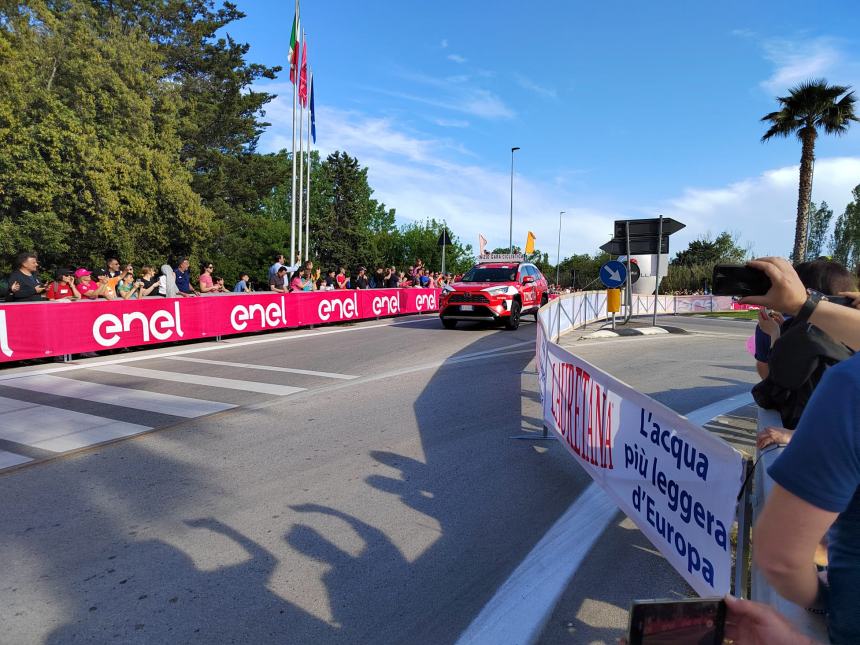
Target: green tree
pixel 819 222
pixel 845 243
pixel 706 251
pixel 810 106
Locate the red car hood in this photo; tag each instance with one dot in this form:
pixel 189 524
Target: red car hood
pixel 479 286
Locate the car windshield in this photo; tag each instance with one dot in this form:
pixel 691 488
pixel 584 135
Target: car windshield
pixel 491 274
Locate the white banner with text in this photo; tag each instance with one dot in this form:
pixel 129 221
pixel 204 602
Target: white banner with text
pixel 674 479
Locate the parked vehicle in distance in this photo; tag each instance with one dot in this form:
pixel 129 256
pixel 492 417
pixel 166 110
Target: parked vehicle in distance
pixel 499 288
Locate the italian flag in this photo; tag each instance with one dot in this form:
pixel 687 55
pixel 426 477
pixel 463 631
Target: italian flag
pixel 293 56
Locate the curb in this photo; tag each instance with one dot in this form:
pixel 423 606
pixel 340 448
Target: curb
pixel 635 331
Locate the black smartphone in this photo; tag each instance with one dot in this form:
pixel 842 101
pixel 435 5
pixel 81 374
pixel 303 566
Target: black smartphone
pixel 739 280
pixel 694 621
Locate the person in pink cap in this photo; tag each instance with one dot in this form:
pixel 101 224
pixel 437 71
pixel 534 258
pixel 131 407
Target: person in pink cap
pixel 88 289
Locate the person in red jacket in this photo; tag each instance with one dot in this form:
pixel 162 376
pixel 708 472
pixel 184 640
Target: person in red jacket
pixel 63 287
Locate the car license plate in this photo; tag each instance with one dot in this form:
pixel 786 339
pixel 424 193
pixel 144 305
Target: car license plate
pixel 467 308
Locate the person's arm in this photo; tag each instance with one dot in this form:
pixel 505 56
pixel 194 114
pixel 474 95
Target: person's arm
pixel 75 292
pixel 787 294
pixel 145 291
pixel 786 536
pixel 125 294
pixel 753 622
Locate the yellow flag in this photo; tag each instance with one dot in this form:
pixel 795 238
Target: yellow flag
pixel 530 243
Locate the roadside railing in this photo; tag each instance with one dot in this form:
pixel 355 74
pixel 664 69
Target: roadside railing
pixel 812 625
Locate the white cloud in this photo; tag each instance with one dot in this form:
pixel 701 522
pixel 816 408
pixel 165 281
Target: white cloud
pixel 761 209
pixel 797 61
pixel 529 85
pixel 473 101
pixel 451 123
pixel 456 58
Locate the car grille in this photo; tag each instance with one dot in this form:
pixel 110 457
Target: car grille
pixel 468 297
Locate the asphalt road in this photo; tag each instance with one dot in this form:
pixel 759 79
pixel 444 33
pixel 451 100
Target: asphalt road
pixel 361 488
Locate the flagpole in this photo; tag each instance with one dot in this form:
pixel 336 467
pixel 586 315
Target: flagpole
pixel 301 142
pixel 293 164
pixel 308 198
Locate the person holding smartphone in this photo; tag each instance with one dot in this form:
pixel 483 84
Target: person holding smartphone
pixel 63 288
pixel 818 474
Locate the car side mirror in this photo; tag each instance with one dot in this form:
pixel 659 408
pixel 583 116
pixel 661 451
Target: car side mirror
pixel 527 279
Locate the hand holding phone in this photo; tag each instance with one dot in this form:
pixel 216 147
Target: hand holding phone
pixel 739 280
pixel 693 621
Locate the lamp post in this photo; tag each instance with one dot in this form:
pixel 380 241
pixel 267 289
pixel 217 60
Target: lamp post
pixel 511 227
pixel 558 253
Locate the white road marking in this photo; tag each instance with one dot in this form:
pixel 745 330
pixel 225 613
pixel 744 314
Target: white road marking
pixel 8 459
pixel 270 368
pixel 652 331
pixel 520 608
pixel 59 430
pixel 522 605
pixel 179 406
pixel 196 379
pixel 157 353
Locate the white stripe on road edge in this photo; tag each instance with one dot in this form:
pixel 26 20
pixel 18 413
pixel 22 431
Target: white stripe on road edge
pixel 229 344
pixel 518 611
pixel 270 368
pixel 179 406
pixel 8 459
pixel 60 430
pixel 195 379
pixel 522 605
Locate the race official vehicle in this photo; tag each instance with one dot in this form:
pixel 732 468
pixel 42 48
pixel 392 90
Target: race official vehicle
pixel 499 288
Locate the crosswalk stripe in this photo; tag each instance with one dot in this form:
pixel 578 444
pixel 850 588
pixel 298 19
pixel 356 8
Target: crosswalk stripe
pixel 8 459
pixel 179 406
pixel 270 368
pixel 60 430
pixel 196 379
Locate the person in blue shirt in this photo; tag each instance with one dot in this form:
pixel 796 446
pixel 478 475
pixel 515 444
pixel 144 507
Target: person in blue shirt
pixel 243 285
pixel 818 474
pixel 183 278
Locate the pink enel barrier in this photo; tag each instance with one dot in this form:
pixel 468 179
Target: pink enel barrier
pixel 40 329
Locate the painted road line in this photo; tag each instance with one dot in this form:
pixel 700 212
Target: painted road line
pixel 8 459
pixel 196 379
pixel 520 608
pixel 60 430
pixel 157 351
pixel 518 611
pixel 179 406
pixel 270 368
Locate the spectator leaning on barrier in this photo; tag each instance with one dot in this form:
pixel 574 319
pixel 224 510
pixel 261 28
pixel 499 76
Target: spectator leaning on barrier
pixel 86 286
pixel 279 281
pixel 149 282
pixel 818 474
pixel 183 278
pixel 340 278
pixel 361 281
pixel 279 262
pixel 105 289
pixel 24 283
pixel 63 287
pixel 128 288
pixel 243 285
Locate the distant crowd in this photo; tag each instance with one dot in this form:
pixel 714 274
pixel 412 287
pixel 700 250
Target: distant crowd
pixel 115 281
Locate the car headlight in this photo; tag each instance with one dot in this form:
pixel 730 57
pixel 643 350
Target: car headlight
pixel 497 291
pixel 447 289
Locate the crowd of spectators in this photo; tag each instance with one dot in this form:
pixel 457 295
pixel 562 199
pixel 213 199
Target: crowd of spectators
pixel 807 538
pixel 115 281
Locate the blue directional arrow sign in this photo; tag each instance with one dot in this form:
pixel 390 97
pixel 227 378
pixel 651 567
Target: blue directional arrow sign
pixel 613 274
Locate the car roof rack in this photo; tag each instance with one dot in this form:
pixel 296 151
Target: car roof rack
pixel 501 257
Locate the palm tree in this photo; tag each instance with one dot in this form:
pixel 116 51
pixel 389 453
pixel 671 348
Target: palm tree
pixel 810 106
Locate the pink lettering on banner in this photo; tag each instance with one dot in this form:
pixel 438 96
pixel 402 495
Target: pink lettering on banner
pixel 33 330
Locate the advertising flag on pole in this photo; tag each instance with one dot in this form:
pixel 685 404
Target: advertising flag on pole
pixel 303 73
pixel 313 114
pixel 530 243
pixel 482 242
pixel 293 55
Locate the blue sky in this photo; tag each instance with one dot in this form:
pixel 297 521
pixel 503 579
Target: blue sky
pixel 621 109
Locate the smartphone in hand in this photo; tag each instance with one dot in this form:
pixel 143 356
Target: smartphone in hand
pixel 693 621
pixel 739 280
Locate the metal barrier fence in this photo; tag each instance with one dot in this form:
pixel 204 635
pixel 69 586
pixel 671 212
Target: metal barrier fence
pixel 810 624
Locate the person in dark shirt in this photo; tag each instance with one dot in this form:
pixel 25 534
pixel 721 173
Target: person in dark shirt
pixel 183 278
pixel 361 281
pixel 24 284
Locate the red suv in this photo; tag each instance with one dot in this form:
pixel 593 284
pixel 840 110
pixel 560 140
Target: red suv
pixel 498 288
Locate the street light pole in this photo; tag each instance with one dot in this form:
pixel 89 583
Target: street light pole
pixel 558 253
pixel 511 228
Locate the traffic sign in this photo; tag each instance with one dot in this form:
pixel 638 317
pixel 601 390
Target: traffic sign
pixel 635 272
pixel 613 274
pixel 638 246
pixel 444 238
pixel 646 227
